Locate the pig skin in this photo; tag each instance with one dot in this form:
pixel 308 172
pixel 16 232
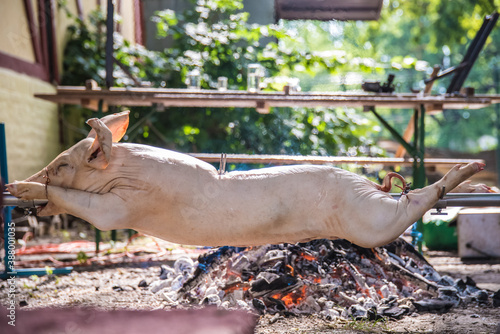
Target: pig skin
pixel 184 200
pixel 468 187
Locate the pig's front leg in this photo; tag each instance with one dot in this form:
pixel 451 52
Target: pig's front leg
pixel 32 191
pixel 27 190
pixel 92 207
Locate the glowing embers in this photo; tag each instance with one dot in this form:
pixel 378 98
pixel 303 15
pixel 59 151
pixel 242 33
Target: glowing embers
pixel 331 278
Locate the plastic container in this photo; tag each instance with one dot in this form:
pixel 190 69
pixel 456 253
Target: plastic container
pixel 438 235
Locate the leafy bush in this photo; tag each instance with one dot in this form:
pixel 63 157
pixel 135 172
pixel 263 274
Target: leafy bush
pixel 214 37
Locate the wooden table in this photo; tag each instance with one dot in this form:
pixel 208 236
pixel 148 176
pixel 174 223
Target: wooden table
pixel 262 101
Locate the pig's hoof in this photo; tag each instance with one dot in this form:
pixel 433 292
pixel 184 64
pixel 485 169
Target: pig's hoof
pixel 466 171
pixel 460 173
pixel 468 187
pixel 479 166
pixel 27 190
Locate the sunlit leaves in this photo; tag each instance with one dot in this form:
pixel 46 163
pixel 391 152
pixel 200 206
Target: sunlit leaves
pixel 215 37
pixel 164 20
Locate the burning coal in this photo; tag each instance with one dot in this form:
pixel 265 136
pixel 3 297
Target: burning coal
pixel 331 277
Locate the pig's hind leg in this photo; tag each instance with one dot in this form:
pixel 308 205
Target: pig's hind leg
pixel 390 218
pixel 417 202
pixel 421 200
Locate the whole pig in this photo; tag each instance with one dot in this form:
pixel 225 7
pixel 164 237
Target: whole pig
pixel 184 200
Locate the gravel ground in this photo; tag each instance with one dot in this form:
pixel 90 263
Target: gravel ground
pixel 118 287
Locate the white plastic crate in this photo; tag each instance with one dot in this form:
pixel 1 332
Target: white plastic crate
pixel 479 232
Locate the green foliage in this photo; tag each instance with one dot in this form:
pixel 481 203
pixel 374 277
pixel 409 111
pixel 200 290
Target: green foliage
pixel 214 37
pixel 48 270
pixel 85 57
pixel 82 257
pixel 413 36
pixel 368 326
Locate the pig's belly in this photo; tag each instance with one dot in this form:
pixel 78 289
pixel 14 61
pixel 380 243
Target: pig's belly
pixel 272 205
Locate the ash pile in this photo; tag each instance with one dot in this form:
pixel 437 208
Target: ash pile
pixel 333 278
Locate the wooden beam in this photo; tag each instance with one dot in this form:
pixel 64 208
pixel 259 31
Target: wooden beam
pixel 139 30
pixel 93 104
pixel 21 66
pixel 428 86
pixel 35 40
pixel 42 25
pixel 407 135
pixel 212 98
pixel 119 12
pixel 79 9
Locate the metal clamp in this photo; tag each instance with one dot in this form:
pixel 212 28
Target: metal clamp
pixel 222 165
pixel 438 211
pixel 406 189
pixel 443 192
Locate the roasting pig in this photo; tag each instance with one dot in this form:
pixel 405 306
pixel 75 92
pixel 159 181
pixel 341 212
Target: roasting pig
pixel 181 199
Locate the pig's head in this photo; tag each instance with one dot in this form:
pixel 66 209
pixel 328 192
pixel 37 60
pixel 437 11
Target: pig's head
pixel 75 168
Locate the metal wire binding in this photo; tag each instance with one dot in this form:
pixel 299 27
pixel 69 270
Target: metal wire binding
pixel 222 165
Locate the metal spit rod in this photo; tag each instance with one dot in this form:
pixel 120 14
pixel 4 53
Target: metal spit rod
pixel 458 199
pixel 9 200
pixel 465 200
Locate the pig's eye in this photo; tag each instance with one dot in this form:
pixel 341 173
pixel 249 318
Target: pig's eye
pixel 62 166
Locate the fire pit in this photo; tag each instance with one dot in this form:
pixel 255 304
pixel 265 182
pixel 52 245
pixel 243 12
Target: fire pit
pixel 334 278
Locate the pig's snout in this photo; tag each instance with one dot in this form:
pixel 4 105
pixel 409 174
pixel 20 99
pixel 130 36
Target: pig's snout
pixel 40 177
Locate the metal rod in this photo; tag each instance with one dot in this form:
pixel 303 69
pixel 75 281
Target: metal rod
pixel 452 199
pixel 465 200
pixel 472 53
pixel 409 148
pixel 468 202
pixel 298 159
pixel 445 73
pixel 418 167
pixel 6 212
pixel 471 195
pixel 469 245
pixel 9 200
pixel 109 44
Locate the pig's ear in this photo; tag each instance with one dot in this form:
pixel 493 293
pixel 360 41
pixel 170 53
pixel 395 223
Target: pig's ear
pixel 99 153
pixel 116 123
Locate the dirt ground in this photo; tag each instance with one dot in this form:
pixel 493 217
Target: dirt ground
pixel 118 287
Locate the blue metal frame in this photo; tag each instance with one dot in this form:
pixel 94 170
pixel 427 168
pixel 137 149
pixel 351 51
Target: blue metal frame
pixel 10 271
